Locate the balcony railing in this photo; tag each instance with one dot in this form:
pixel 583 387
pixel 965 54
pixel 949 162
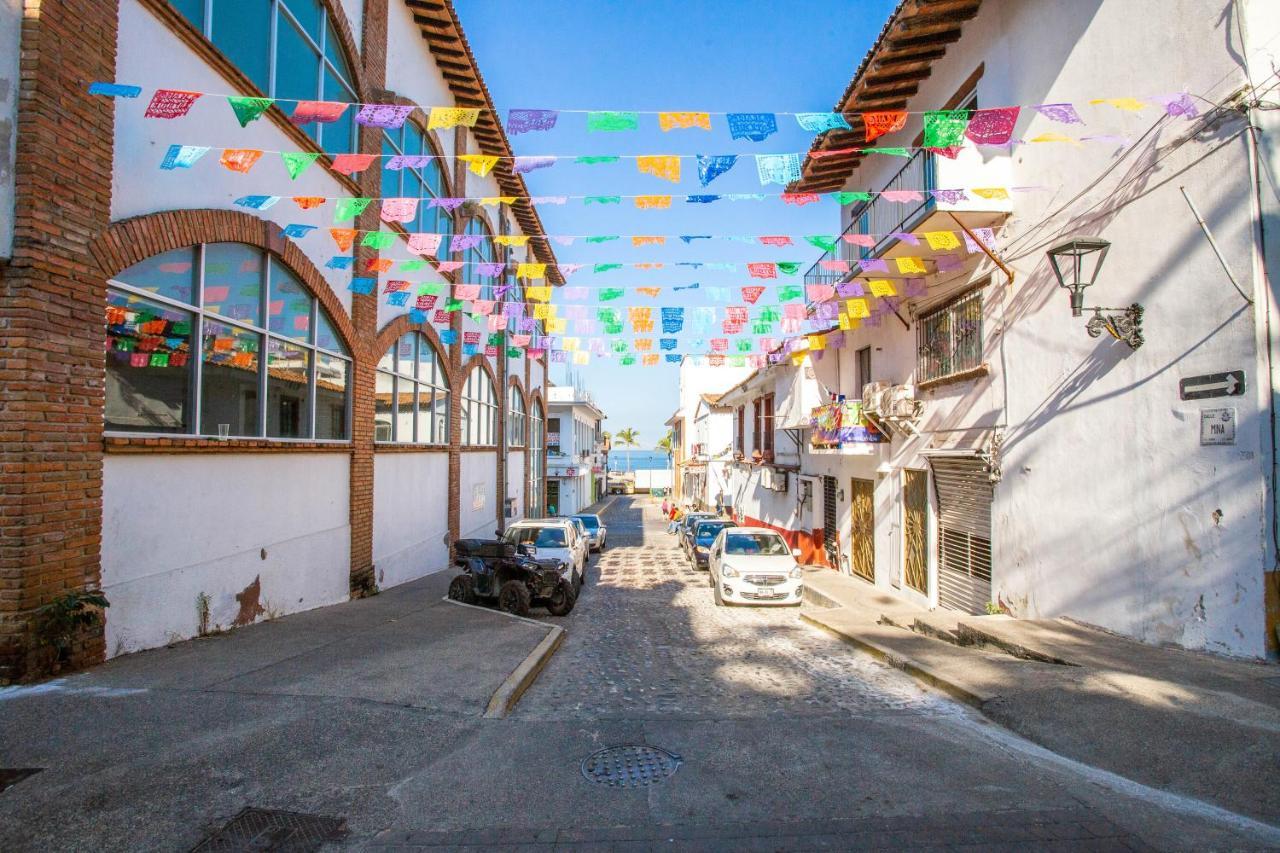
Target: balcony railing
pixel 882 217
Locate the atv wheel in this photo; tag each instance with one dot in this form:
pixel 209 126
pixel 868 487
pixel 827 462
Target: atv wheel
pixel 561 602
pixel 463 589
pixel 513 598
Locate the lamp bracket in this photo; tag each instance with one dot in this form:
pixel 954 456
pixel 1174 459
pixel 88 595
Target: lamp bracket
pixel 1123 324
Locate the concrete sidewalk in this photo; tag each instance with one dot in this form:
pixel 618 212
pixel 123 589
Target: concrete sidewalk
pixel 318 712
pixel 1169 718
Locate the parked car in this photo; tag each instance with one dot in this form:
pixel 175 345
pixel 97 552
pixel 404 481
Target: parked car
pixel 596 531
pixel 554 538
pixel 497 572
pixel 705 532
pixel 754 565
pixel 684 533
pixel 584 540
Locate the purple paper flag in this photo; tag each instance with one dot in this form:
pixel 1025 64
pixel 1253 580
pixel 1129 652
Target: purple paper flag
pixel 575 293
pixel 389 116
pixel 916 287
pixel 523 121
pixel 489 268
pixel 1061 113
pixel 947 262
pixel 528 164
pixel 949 196
pixel 462 242
pixel 906 237
pixel 1179 105
pixel 986 235
pixel 874 265
pixel 850 288
pixel 548 199
pixel 446 203
pixel 567 270
pixel 403 161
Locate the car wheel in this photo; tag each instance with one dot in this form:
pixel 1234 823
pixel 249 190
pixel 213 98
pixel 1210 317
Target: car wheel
pixel 514 598
pixel 562 600
pixel 463 589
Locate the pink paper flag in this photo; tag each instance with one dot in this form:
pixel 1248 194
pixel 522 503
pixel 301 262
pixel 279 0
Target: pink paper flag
pixel 399 209
pixel 319 111
pixel 170 103
pixel 349 164
pixel 424 244
pixel 449 266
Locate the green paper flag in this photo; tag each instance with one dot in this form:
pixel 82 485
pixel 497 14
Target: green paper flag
pixel 770 314
pixel 378 240
pixel 513 352
pixel 945 128
pixel 412 266
pixel 612 121
pixel 431 288
pixel 349 208
pixel 248 109
pixel 627 360
pixel 744 345
pixel 736 361
pixel 601 239
pixel 762 329
pixel 827 244
pixel 788 292
pixel 845 197
pixel 591 161
pixel 619 346
pixel 892 152
pixel 610 293
pixel 452 304
pixel 606 267
pixel 495 339
pixel 602 199
pixel 607 315
pixel 297 162
pixel 478 318
pixel 788 267
pixel 613 329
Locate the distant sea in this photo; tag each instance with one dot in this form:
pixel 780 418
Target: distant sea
pixel 637 460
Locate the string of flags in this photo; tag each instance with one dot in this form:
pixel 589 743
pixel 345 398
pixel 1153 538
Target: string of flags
pixel 942 128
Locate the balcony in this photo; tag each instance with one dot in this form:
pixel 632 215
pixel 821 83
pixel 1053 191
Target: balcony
pixel 881 218
pixel 840 428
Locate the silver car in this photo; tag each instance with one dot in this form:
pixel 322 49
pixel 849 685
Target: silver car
pixel 596 530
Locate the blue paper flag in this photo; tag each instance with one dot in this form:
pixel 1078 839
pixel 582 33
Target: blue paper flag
pixel 672 320
pixel 755 127
pixel 818 122
pixel 673 358
pixel 257 202
pixel 340 262
pixel 115 90
pixel 399 299
pixel 182 156
pixel 296 230
pixel 701 199
pixel 689 238
pixel 362 285
pixel 667 343
pixel 712 166
pixel 448 337
pixel 417 315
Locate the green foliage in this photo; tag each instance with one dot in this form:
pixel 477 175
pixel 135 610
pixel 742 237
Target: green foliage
pixel 62 620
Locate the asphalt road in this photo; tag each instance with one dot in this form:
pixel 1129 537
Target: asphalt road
pixel 751 730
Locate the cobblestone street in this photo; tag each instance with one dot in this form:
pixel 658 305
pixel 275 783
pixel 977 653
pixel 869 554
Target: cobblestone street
pixel 646 640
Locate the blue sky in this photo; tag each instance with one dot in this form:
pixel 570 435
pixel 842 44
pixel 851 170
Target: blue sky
pixel 665 55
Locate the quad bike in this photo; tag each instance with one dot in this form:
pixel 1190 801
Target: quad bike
pixel 498 572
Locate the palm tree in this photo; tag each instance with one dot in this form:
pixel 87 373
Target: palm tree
pixel 627 438
pixel 667 445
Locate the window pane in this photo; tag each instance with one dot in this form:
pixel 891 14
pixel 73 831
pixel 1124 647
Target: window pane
pixel 171 274
pixel 427 371
pixel 309 15
pixel 413 142
pixel 384 406
pixel 331 396
pixel 233 281
pixel 338 136
pixel 229 381
pixel 433 178
pixel 333 50
pixel 326 336
pixel 192 10
pixel 289 309
pixel 390 177
pixel 242 31
pixel 148 370
pixel 405 357
pixel 288 398
pixel 297 68
pixel 465 415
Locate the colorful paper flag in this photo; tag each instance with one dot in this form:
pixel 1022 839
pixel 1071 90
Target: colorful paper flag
pixel 170 103
pixel 683 121
pixel 662 166
pixel 818 122
pixel 386 116
pixel 755 127
pixel 992 127
pixel 879 123
pixel 114 90
pixel 349 208
pixel 479 164
pixel 611 121
pixel 350 164
pixel 248 109
pixel 322 112
pixel 1061 113
pixel 712 166
pixel 524 121
pixel 297 162
pixel 182 156
pixel 653 202
pixel 446 117
pixel 240 159
pixel 944 128
pixel 778 168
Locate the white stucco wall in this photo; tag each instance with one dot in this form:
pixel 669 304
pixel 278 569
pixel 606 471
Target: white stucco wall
pixel 410 515
pixel 10 39
pixel 179 526
pixel 477 489
pixel 515 483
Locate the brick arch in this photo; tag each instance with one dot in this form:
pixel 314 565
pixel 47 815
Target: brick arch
pixel 130 241
pixel 433 140
pixel 402 324
pixel 479 360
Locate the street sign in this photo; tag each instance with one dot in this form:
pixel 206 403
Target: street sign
pixel 1217 426
pixel 1229 384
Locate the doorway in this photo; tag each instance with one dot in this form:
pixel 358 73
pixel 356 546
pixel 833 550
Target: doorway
pixel 915 527
pixel 862 538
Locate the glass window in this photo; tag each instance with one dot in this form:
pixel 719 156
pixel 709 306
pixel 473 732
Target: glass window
pixel 243 33
pixel 535 466
pixel 425 183
pixel 949 340
pixel 756 544
pixel 171 274
pixel 148 366
pixel 307 370
pixel 479 409
pixel 412 404
pixel 482 253
pixel 516 417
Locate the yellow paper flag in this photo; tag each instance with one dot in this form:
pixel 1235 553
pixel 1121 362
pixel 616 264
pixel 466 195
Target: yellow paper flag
pixel 538 294
pixel 441 117
pixel 908 266
pixel 569 344
pixel 581 357
pixel 994 193
pixel 660 166
pixel 479 164
pixel 653 202
pixel 527 270
pixel 495 200
pixel 942 240
pixel 1132 105
pixel 642 344
pixel 640 240
pixel 510 240
pixel 649 291
pixel 541 311
pixel 1054 137
pixel 817 342
pixel 649 360
pixel 845 322
pixel 882 287
pixel 682 121
pixel 557 325
pixel 797 358
pixel 857 309
pixel 648 265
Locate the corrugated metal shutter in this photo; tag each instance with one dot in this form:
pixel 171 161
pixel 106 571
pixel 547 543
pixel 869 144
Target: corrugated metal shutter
pixel 964 533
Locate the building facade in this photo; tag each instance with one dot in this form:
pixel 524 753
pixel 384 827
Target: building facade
pixel 576 451
pixel 257 437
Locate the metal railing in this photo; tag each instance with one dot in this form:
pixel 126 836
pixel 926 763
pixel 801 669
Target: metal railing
pixel 882 217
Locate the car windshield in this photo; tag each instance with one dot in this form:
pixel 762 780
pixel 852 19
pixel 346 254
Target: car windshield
pixel 756 544
pixel 541 537
pixel 693 518
pixel 707 533
pixel 589 521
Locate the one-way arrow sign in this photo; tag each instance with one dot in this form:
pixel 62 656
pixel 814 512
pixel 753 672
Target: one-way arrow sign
pixel 1230 384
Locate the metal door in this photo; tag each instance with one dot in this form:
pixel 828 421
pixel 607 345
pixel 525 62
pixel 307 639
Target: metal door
pixel 915 527
pixel 862 538
pixel 964 533
pixel 830 527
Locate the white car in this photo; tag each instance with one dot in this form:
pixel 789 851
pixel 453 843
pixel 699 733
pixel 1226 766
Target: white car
pixel 596 531
pixel 555 539
pixel 754 565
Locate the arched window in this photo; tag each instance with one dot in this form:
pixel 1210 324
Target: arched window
pixel 425 182
pixel 479 410
pixel 290 50
pixel 481 253
pixel 516 417
pixel 412 400
pixel 219 294
pixel 535 466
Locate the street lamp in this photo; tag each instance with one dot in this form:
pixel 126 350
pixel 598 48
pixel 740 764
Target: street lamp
pixel 1076 263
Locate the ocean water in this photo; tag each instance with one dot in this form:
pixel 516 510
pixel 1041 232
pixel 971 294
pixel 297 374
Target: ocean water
pixel 637 460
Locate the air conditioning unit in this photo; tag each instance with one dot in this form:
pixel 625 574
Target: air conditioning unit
pixel 892 405
pixel 871 397
pixel 773 479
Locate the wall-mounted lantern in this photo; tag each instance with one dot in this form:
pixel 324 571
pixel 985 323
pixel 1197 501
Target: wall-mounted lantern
pixel 1076 264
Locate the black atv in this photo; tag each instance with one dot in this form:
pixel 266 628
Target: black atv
pixel 494 570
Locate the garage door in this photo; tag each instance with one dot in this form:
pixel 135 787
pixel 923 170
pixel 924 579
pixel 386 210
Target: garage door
pixel 964 533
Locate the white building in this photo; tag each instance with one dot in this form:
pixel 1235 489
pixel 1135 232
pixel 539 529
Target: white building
pixel 1029 465
pixel 576 452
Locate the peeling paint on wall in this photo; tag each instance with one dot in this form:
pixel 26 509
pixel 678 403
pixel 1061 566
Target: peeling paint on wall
pixel 248 599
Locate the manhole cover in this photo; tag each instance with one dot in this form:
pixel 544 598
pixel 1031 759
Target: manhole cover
pixel 630 766
pixel 267 829
pixel 10 776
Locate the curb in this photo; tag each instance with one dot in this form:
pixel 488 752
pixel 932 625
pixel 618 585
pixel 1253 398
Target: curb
pixel 920 672
pixel 504 699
